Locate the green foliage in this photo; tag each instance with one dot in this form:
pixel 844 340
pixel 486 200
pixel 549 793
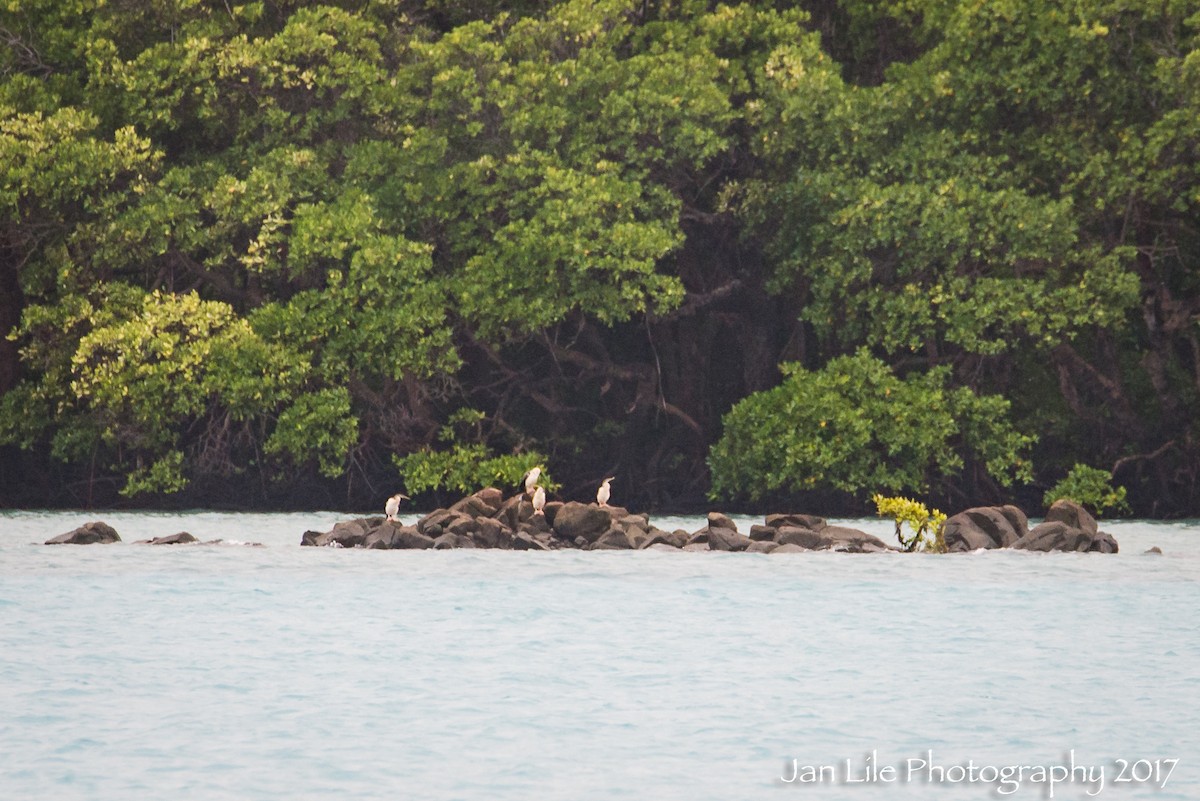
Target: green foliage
pixel 854 425
pixel 925 525
pixel 1090 487
pixel 317 425
pixel 467 469
pixel 295 237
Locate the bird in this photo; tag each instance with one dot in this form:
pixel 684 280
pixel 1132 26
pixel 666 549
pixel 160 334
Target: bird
pixel 531 479
pixel 393 505
pixel 604 492
pixel 539 500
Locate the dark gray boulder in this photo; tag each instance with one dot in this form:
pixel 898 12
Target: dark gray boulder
pixel 761 546
pixel 1056 535
pixel 585 520
pixel 831 538
pixel 612 540
pixel 408 537
pixel 439 521
pixel 985 527
pixel 1071 513
pixel 527 542
pixel 667 539
pixel 811 522
pixel 313 538
pixel 805 538
pixel 718 520
pixel 94 533
pixel 727 539
pixel 851 540
pixel 490 533
pixel 181 538
pixel 485 503
pixel 515 511
pixel 763 533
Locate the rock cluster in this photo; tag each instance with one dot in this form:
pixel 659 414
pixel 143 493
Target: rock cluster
pixel 487 520
pixel 88 534
pixel 1066 527
pixel 102 533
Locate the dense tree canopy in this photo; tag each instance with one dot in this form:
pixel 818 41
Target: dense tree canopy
pixel 284 253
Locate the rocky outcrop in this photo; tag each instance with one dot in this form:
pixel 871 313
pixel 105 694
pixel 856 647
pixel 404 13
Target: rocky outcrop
pixel 95 533
pixel 985 527
pixel 488 520
pixel 1067 527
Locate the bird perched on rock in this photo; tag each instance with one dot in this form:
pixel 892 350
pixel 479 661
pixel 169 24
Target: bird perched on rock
pixel 393 505
pixel 539 500
pixel 531 479
pixel 603 494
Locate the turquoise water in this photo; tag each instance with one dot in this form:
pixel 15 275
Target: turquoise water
pixel 229 672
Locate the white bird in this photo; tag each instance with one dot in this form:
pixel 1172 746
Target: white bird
pixel 603 494
pixel 531 479
pixel 393 505
pixel 539 501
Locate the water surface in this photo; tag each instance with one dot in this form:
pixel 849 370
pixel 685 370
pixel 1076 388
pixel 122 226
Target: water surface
pixel 232 672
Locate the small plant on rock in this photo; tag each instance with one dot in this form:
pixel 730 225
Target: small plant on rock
pixel 925 525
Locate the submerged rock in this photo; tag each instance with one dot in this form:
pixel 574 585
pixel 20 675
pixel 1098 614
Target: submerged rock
pixel 94 533
pixel 181 538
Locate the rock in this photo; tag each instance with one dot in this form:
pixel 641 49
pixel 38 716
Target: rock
pixel 762 533
pixel 696 546
pixel 172 539
pixel 810 522
pixel 550 511
pixel 660 546
pixel 612 540
pixel 851 540
pixel 985 527
pixel 718 520
pixel 94 533
pixel 699 538
pixel 379 538
pixel 439 521
pixel 1071 513
pixel 491 534
pixel 462 525
pixel 673 540
pixel 537 526
pixel 312 538
pixel 1154 549
pixel 350 533
pixel 527 542
pixel 831 538
pixel 584 520
pixel 788 548
pixel 726 539
pixel 484 503
pixel 761 546
pixel 450 540
pixel 409 537
pixel 801 537
pixel 515 511
pixel 1056 535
